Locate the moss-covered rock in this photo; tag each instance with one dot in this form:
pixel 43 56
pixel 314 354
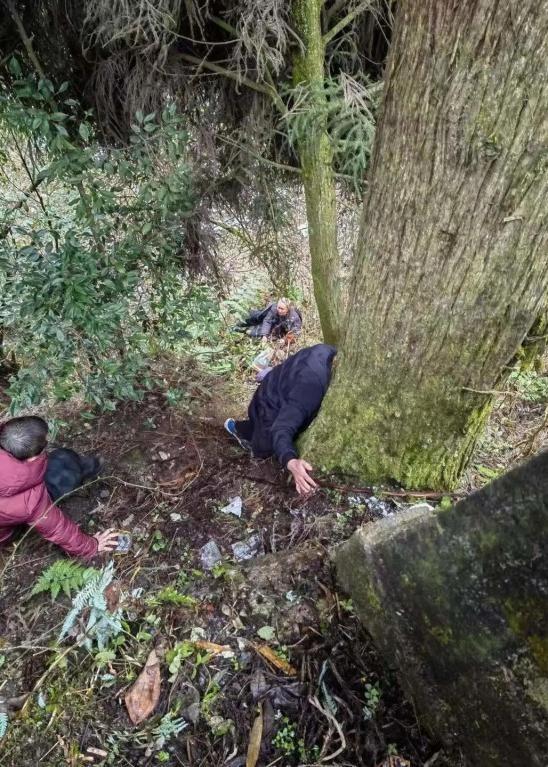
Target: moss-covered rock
pixel 457 601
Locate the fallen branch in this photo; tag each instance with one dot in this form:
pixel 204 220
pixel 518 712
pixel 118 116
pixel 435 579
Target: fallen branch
pixel 367 491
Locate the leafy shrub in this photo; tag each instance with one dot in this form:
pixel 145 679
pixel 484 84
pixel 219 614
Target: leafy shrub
pixel 93 278
pixel 532 386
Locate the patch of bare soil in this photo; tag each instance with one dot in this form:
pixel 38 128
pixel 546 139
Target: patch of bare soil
pixel 293 649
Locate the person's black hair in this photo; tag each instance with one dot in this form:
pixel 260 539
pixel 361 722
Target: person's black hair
pixel 24 437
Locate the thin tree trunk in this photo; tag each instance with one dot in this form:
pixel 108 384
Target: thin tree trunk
pixel 452 267
pixel 316 158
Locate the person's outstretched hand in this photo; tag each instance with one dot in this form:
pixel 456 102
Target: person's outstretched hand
pixel 107 540
pixel 303 481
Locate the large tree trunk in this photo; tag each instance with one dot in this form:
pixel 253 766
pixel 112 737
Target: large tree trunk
pixel 452 264
pixel 316 158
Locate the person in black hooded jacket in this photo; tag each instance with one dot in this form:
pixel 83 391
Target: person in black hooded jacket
pixel 284 405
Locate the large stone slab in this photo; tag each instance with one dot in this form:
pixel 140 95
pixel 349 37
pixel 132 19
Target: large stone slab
pixel 457 601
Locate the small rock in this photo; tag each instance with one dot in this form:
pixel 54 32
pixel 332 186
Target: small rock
pixel 247 549
pixel 210 555
pixel 175 517
pixel 190 703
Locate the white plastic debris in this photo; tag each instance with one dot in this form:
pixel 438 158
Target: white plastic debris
pixel 175 517
pixel 234 506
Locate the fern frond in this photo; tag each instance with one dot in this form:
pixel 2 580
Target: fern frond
pixel 63 575
pixel 93 596
pixel 3 724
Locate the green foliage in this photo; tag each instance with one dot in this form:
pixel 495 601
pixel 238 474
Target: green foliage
pixel 170 596
pixel 532 386
pixel 102 624
pixel 151 737
pixel 176 656
pixel 290 745
pixel 372 700
pixel 347 107
pixel 65 576
pixel 93 273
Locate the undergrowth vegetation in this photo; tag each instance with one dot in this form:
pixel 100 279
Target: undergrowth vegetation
pixel 95 271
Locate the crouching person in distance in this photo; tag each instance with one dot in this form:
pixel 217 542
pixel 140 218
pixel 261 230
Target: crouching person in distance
pixel 276 321
pixel 284 405
pixel 30 481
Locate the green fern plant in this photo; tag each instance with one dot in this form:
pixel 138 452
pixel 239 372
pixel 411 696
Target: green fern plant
pixel 102 625
pixel 64 576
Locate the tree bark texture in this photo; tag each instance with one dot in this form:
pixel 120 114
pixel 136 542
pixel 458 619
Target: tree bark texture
pixel 316 158
pixel 452 266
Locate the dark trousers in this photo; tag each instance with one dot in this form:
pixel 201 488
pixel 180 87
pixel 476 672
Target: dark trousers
pixel 258 435
pixel 67 471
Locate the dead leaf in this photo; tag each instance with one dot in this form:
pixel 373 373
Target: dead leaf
pixel 142 698
pixel 273 657
pixel 112 596
pixel 215 649
pixel 395 761
pixel 255 739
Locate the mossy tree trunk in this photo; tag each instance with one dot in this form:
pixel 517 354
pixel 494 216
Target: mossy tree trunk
pixel 452 269
pixel 316 158
pixel 535 343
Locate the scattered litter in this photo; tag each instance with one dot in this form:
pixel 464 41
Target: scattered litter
pixel 272 657
pixel 291 596
pixel 41 700
pixel 287 696
pixel 137 593
pixel 143 696
pixel 234 506
pixel 189 700
pixel 175 517
pixel 210 555
pixel 163 456
pixel 379 508
pixel 255 739
pixel 97 752
pixel 421 507
pixel 267 633
pixel 395 761
pixel 124 543
pixel 258 685
pixel 247 549
pixel 224 650
pixel 104 494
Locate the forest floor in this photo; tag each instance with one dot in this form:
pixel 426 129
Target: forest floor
pixel 287 650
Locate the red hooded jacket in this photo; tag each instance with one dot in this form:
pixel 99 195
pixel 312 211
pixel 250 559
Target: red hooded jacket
pixel 24 500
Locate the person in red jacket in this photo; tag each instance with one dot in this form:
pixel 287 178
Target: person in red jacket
pixel 24 497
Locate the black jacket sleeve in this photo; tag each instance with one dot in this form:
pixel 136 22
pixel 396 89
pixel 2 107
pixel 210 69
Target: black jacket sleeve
pixel 303 404
pixel 266 325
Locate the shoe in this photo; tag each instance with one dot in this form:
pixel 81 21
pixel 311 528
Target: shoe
pixel 230 426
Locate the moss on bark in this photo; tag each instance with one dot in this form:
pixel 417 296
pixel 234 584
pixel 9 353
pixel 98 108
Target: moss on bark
pixel 457 602
pixel 451 268
pixel 316 158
